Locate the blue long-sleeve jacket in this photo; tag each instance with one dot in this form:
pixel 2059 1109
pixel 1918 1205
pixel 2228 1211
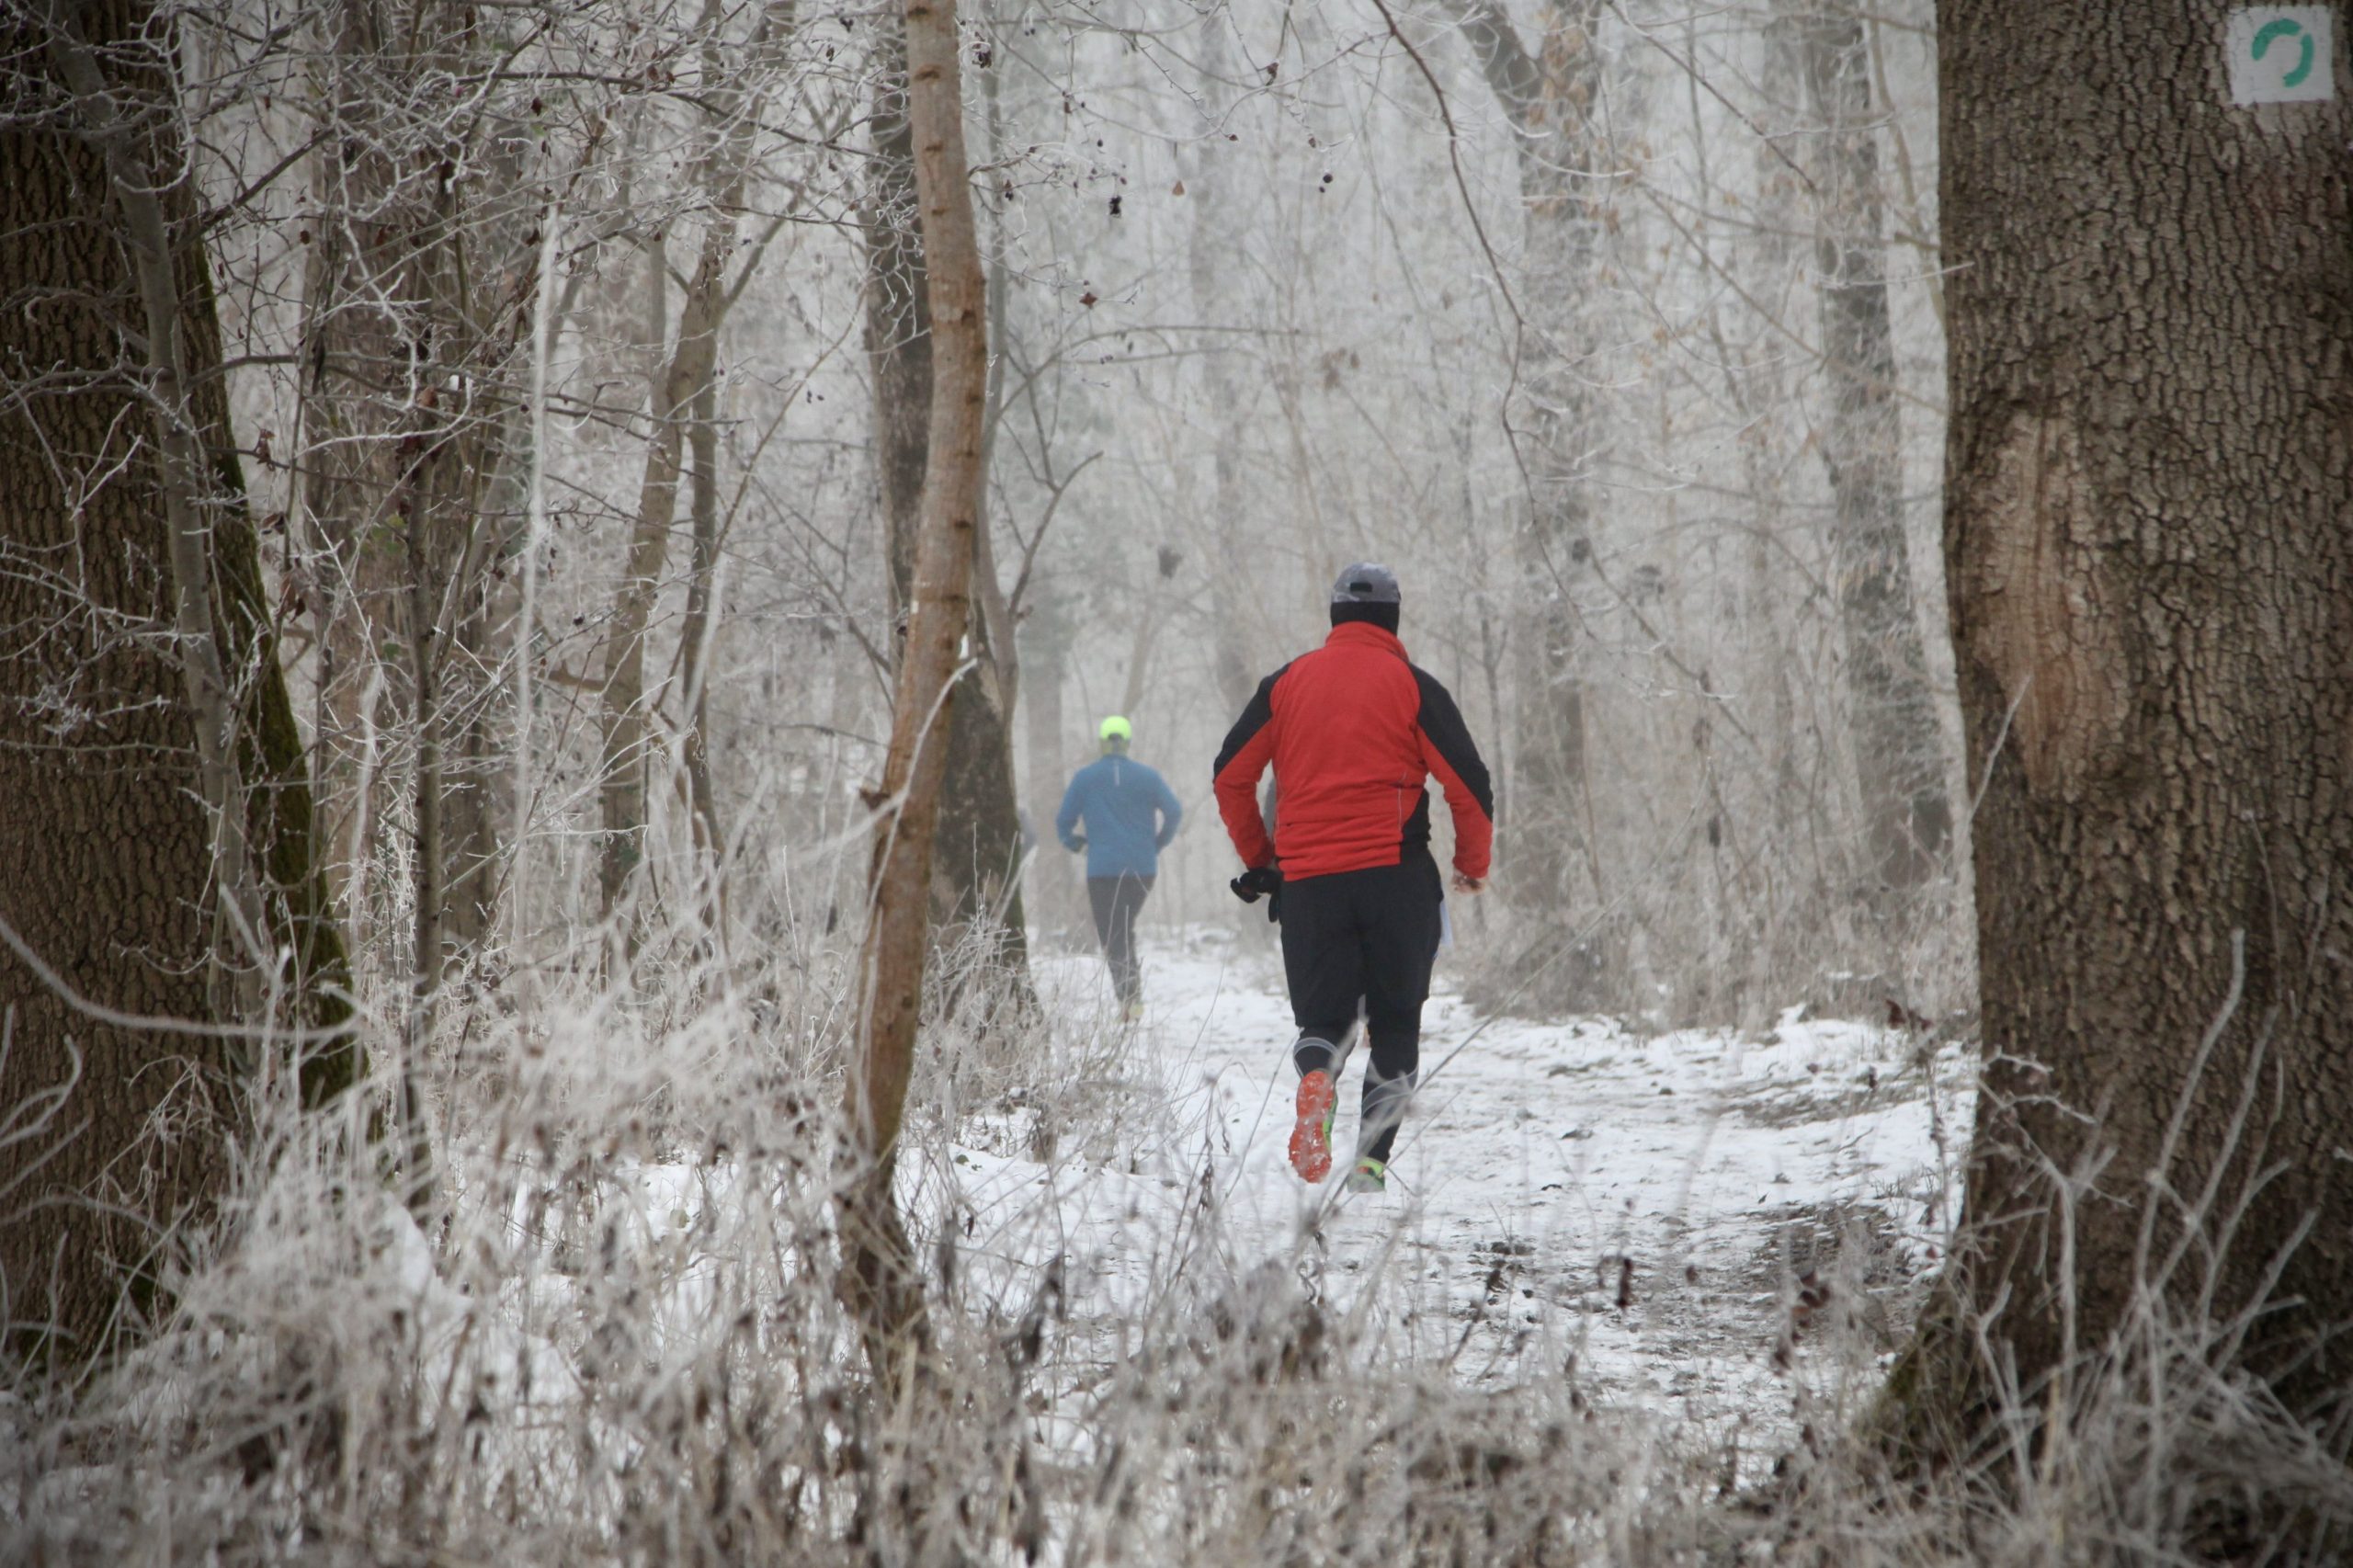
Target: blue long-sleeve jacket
pixel 1117 798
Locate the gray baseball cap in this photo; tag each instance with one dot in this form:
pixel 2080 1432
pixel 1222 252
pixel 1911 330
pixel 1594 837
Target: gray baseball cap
pixel 1366 582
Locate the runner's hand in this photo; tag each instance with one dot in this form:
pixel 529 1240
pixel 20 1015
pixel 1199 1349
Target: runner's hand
pixel 1469 884
pixel 1256 883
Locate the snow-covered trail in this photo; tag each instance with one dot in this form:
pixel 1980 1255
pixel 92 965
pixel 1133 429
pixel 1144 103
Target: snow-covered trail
pixel 1655 1214
pixel 1569 1188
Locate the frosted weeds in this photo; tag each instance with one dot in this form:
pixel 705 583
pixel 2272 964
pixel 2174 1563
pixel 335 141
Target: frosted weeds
pixel 1627 1289
pixel 1567 1197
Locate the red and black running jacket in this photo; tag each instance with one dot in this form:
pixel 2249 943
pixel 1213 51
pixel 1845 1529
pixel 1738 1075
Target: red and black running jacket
pixel 1352 729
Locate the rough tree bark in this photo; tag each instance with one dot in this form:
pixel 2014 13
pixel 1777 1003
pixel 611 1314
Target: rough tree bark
pixel 1899 751
pixel 2149 542
pixel 119 1134
pixel 879 1278
pixel 975 882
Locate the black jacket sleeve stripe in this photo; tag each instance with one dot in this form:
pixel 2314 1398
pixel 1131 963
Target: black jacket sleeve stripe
pixel 1442 721
pixel 1257 714
pixel 1249 747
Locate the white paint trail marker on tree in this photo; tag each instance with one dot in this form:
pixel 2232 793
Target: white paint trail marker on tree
pixel 2282 54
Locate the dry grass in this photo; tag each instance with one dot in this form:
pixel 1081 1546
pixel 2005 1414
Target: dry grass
pixel 626 1346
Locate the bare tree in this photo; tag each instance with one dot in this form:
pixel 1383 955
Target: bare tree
pixel 406 443
pixel 2145 531
pixel 161 898
pixel 1899 750
pixel 1551 95
pixel 975 888
pixel 721 171
pixel 878 1276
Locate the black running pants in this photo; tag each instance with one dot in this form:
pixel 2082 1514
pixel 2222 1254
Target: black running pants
pixel 1367 937
pixel 1115 901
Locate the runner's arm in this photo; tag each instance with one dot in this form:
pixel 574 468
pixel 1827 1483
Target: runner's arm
pixel 1451 758
pixel 1249 747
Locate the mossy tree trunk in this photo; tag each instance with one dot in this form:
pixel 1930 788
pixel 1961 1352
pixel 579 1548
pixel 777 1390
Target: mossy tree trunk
pixel 112 853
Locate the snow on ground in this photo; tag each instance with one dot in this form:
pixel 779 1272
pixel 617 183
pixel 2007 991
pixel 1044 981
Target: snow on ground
pixel 1646 1203
pixel 1640 1208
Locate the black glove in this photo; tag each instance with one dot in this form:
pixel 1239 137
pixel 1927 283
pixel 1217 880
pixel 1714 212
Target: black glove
pixel 1261 882
pixel 1075 843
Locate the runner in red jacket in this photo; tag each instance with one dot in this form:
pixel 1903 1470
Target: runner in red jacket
pixel 1352 729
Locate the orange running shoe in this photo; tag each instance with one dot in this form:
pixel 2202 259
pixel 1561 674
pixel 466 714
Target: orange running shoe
pixel 1311 1136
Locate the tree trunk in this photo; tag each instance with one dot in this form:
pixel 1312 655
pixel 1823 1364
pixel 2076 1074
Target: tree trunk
pixel 428 967
pixel 352 368
pixel 2149 542
pixel 1216 216
pixel 1549 98
pixel 878 1278
pixel 477 781
pixel 696 634
pixel 1131 690
pixel 1045 637
pixel 724 169
pixel 975 886
pixel 380 310
pixel 399 306
pixel 621 764
pixel 120 1132
pixel 185 489
pixel 1899 754
pixel 897 322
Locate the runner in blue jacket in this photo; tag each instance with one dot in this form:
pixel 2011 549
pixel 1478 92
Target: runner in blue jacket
pixel 1129 814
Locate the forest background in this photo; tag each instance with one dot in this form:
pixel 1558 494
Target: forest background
pixel 479 692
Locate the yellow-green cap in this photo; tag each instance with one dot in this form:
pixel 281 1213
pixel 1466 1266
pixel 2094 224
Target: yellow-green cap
pixel 1116 729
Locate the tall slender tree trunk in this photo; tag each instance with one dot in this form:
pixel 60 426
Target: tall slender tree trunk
pixel 976 887
pixel 1233 608
pixel 723 170
pixel 351 365
pixel 878 1276
pixel 394 315
pixel 696 635
pixel 897 322
pixel 478 782
pixel 382 310
pixel 623 764
pixel 111 805
pixel 1046 636
pixel 428 964
pixel 1554 868
pixel 2149 543
pixel 1899 748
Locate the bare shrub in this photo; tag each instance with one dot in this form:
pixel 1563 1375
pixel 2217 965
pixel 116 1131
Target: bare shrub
pixel 626 1345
